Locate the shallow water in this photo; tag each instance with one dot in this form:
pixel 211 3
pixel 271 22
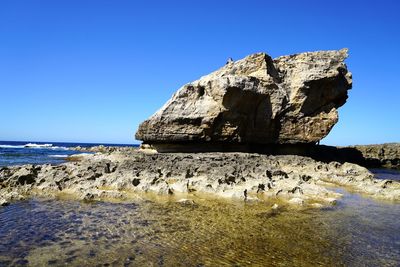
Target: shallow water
pixel 356 232
pixel 386 174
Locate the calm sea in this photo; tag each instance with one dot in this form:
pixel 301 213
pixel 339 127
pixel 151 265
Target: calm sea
pixel 23 152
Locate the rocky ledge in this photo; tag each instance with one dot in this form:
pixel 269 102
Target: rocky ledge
pixel 132 173
pixel 382 155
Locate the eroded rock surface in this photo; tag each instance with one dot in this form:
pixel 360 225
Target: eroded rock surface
pixel 123 175
pixel 259 100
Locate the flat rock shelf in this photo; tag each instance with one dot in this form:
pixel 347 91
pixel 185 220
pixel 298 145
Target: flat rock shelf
pixel 130 173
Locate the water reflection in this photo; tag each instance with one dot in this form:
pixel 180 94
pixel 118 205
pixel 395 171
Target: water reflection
pixel 357 232
pixel 390 174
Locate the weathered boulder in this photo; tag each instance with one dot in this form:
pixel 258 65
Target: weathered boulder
pixel 256 100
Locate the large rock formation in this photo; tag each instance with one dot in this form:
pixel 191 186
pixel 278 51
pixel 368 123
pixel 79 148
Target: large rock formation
pixel 256 100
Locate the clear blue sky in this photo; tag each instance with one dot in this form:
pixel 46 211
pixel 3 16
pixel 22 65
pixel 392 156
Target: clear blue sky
pixel 91 71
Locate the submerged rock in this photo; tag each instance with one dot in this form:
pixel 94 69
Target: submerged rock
pixel 256 100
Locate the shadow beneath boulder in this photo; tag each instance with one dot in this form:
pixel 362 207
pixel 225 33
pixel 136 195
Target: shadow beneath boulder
pixel 330 153
pixel 318 152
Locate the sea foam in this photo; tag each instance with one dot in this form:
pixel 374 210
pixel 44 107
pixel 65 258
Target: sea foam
pixel 33 145
pixel 10 146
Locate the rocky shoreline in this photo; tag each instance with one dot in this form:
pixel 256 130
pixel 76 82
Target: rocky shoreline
pixel 128 173
pixel 370 156
pixel 245 131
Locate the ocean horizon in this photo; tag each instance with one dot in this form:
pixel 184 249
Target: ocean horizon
pixel 34 152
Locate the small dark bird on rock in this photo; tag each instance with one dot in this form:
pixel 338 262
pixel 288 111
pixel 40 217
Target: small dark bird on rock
pixel 230 60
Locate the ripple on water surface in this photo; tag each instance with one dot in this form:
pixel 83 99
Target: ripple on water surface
pixel 357 232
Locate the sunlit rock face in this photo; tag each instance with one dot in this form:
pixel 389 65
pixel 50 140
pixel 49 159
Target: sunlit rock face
pixel 256 100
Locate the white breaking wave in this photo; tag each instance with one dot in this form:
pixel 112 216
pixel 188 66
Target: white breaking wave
pixel 58 148
pixel 58 156
pixel 32 145
pixel 10 146
pixel 49 146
